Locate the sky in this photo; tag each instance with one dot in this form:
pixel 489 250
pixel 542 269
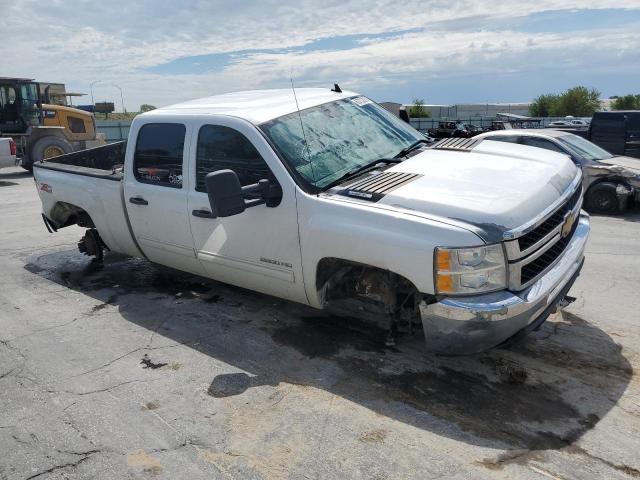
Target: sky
pixel 162 52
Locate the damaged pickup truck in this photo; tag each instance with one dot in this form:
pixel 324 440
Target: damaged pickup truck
pixel 331 201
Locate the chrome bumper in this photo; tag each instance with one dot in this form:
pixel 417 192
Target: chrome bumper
pixel 467 325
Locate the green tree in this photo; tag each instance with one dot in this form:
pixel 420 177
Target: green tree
pixel 145 107
pixel 626 102
pixel 577 101
pixel 543 105
pixel 417 110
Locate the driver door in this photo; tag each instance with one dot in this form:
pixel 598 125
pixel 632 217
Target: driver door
pixel 258 249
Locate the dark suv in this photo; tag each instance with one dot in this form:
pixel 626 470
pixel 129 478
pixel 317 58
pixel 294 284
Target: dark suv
pixel 617 132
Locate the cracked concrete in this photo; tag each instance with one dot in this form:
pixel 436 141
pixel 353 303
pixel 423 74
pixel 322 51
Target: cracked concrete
pixel 130 370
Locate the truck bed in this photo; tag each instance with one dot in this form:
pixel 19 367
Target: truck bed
pixel 89 181
pixel 105 161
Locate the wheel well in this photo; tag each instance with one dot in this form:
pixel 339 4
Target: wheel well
pixel 65 214
pixel 614 181
pixel 342 278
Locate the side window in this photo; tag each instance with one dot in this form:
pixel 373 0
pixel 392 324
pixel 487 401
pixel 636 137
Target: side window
pixel 222 148
pixel 76 125
pixel 541 143
pixel 504 138
pixel 158 155
pixel 7 96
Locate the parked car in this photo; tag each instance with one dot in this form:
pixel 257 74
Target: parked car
pixel 617 132
pixel 610 181
pixel 337 204
pixel 7 152
pixel 560 123
pixel 450 130
pixel 499 125
pixel 579 123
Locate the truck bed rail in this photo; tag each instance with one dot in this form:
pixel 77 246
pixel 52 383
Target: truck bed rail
pixel 105 157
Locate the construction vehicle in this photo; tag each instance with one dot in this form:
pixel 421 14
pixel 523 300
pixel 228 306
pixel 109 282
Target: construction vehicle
pixel 39 128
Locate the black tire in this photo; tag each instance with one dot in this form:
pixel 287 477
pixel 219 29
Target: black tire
pixel 44 147
pixel 602 198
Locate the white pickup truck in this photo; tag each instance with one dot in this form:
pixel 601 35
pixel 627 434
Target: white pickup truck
pixel 7 152
pixel 331 201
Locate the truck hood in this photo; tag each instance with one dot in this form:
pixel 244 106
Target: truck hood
pixel 496 187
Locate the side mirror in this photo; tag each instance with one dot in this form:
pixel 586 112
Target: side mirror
pixel 225 193
pixel 227 196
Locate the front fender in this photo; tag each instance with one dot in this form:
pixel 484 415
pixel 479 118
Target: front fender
pixel 378 237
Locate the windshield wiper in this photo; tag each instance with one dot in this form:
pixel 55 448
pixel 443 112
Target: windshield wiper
pixel 367 166
pixel 411 147
pixel 357 171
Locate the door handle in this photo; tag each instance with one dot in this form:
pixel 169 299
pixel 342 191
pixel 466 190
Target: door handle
pixel 138 201
pixel 202 214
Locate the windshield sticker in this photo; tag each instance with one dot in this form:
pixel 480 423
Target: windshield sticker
pixel 361 101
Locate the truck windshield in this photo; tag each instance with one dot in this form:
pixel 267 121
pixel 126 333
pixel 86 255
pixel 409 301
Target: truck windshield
pixel 584 148
pixel 341 136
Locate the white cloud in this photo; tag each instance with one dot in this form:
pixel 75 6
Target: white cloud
pixel 77 42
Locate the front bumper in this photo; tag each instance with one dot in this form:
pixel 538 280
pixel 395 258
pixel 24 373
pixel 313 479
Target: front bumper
pixel 466 325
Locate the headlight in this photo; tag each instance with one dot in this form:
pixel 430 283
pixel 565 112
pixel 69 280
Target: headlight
pixel 470 270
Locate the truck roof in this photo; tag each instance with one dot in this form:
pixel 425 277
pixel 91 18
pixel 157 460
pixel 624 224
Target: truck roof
pixel 255 106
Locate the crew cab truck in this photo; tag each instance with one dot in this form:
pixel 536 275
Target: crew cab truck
pixel 329 200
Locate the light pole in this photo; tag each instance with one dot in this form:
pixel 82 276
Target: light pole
pixel 124 110
pixel 91 88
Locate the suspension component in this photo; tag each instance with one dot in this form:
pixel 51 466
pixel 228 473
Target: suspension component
pixel 92 245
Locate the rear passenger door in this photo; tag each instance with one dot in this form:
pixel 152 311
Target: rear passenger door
pixel 156 195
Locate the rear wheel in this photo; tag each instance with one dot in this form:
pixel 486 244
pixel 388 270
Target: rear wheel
pixel 602 198
pixel 45 148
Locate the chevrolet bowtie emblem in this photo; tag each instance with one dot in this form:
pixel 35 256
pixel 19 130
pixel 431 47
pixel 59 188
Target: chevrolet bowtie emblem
pixel 567 225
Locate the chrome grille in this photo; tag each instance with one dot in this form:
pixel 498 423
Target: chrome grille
pixel 533 253
pixel 530 271
pixel 545 228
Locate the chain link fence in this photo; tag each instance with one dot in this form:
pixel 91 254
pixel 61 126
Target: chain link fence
pixel 424 124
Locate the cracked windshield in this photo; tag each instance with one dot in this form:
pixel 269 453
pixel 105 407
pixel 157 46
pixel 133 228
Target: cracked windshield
pixel 341 135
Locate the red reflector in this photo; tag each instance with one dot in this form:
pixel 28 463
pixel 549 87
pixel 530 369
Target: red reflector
pixel 12 147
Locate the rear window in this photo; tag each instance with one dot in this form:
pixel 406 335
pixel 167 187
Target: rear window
pixel 633 123
pixel 608 123
pixel 158 155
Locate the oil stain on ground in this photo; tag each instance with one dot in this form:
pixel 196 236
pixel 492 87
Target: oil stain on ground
pixel 491 396
pixel 500 402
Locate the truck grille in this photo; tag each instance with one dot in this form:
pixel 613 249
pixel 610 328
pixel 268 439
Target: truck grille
pixel 532 270
pixel 545 228
pixel 533 253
